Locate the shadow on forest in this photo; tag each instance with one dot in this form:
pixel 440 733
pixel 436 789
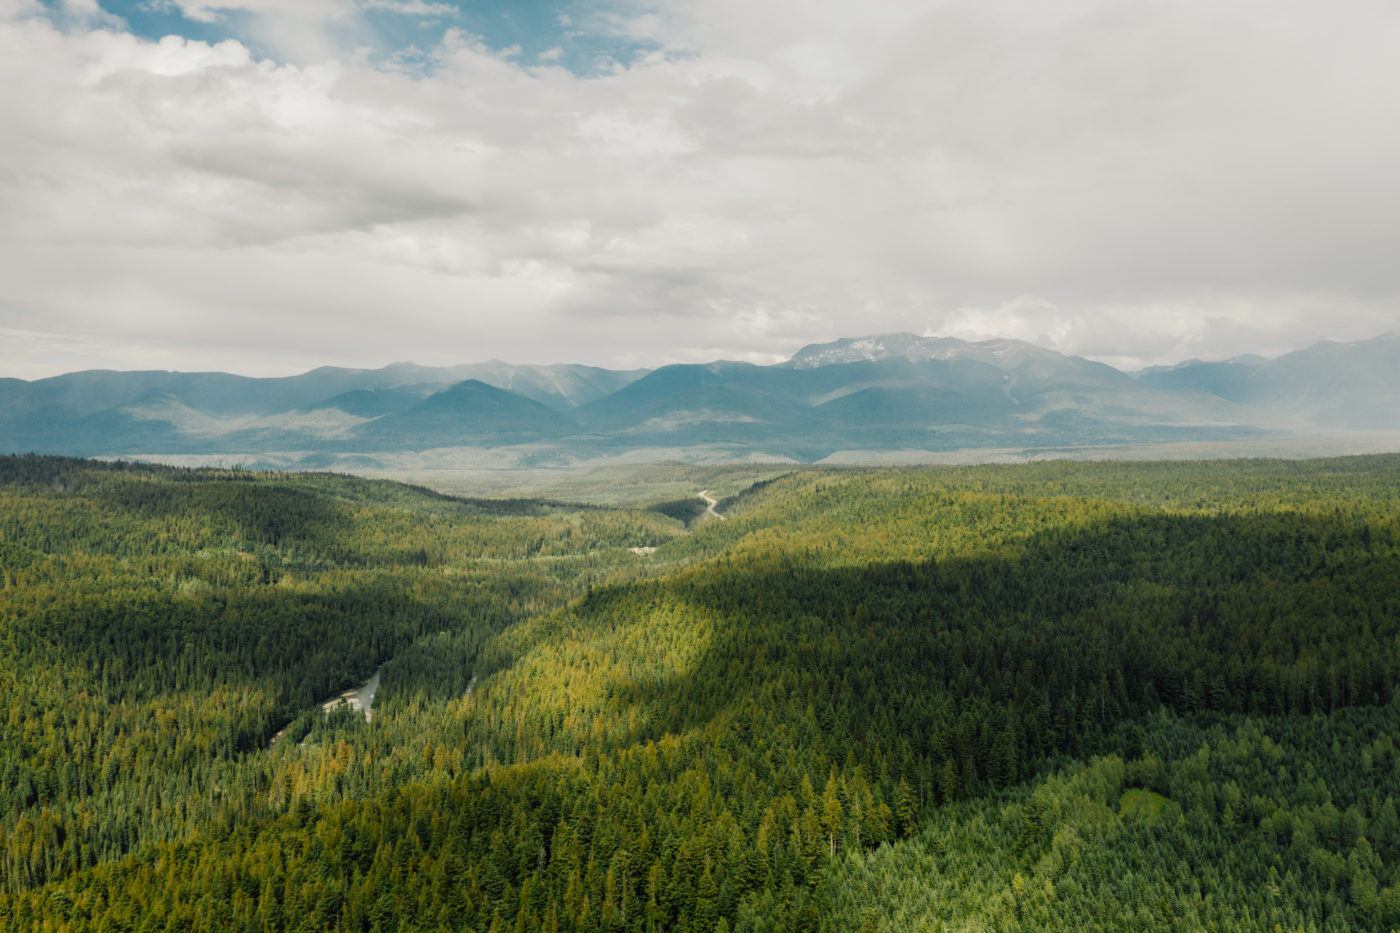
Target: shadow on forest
pixel 256 512
pixel 1062 634
pixel 306 645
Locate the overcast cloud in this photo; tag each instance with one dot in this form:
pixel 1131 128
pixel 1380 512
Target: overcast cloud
pixel 1139 183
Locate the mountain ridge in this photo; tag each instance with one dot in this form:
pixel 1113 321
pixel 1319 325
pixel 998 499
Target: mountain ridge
pixel 896 391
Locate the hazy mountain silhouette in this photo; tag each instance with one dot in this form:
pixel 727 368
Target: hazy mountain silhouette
pixel 886 392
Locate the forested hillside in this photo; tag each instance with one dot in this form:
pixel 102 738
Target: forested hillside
pixel 1060 695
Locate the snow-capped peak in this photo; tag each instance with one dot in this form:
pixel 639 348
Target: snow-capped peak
pixel 911 347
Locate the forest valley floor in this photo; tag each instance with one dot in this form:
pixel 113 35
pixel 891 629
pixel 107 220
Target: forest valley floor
pixel 1088 696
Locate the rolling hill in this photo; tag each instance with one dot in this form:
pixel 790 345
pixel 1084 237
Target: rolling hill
pixel 1052 696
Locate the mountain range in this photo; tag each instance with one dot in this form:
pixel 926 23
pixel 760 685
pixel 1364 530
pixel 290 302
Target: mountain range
pixel 881 394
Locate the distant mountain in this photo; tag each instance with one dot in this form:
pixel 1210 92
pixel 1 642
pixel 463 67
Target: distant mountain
pixel 1004 354
pixel 1226 378
pixel 899 391
pixel 892 392
pixel 371 403
pixel 99 411
pixel 561 387
pixel 1345 385
pixel 666 382
pixel 468 413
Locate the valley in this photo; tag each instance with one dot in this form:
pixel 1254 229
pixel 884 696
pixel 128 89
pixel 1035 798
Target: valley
pixel 710 504
pixel 679 467
pixel 981 696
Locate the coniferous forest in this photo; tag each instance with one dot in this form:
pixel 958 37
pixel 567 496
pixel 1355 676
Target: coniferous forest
pixel 1058 696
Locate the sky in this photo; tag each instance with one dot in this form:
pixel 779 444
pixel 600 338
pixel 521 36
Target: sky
pixel 267 186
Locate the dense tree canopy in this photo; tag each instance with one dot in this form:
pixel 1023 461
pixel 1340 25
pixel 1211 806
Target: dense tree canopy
pixel 1042 695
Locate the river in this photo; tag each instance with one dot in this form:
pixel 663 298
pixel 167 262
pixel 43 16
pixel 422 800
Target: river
pixel 360 698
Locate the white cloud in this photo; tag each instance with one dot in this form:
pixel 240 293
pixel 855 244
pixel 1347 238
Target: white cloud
pixel 1137 182
pixel 1197 325
pixel 206 11
pixel 87 14
pixel 211 10
pixel 85 9
pixel 14 9
pixel 410 7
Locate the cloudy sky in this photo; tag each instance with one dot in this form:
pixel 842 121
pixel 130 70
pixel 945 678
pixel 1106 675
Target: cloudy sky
pixel 265 186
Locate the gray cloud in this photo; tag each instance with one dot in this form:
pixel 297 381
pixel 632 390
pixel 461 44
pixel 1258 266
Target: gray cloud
pixel 1140 183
